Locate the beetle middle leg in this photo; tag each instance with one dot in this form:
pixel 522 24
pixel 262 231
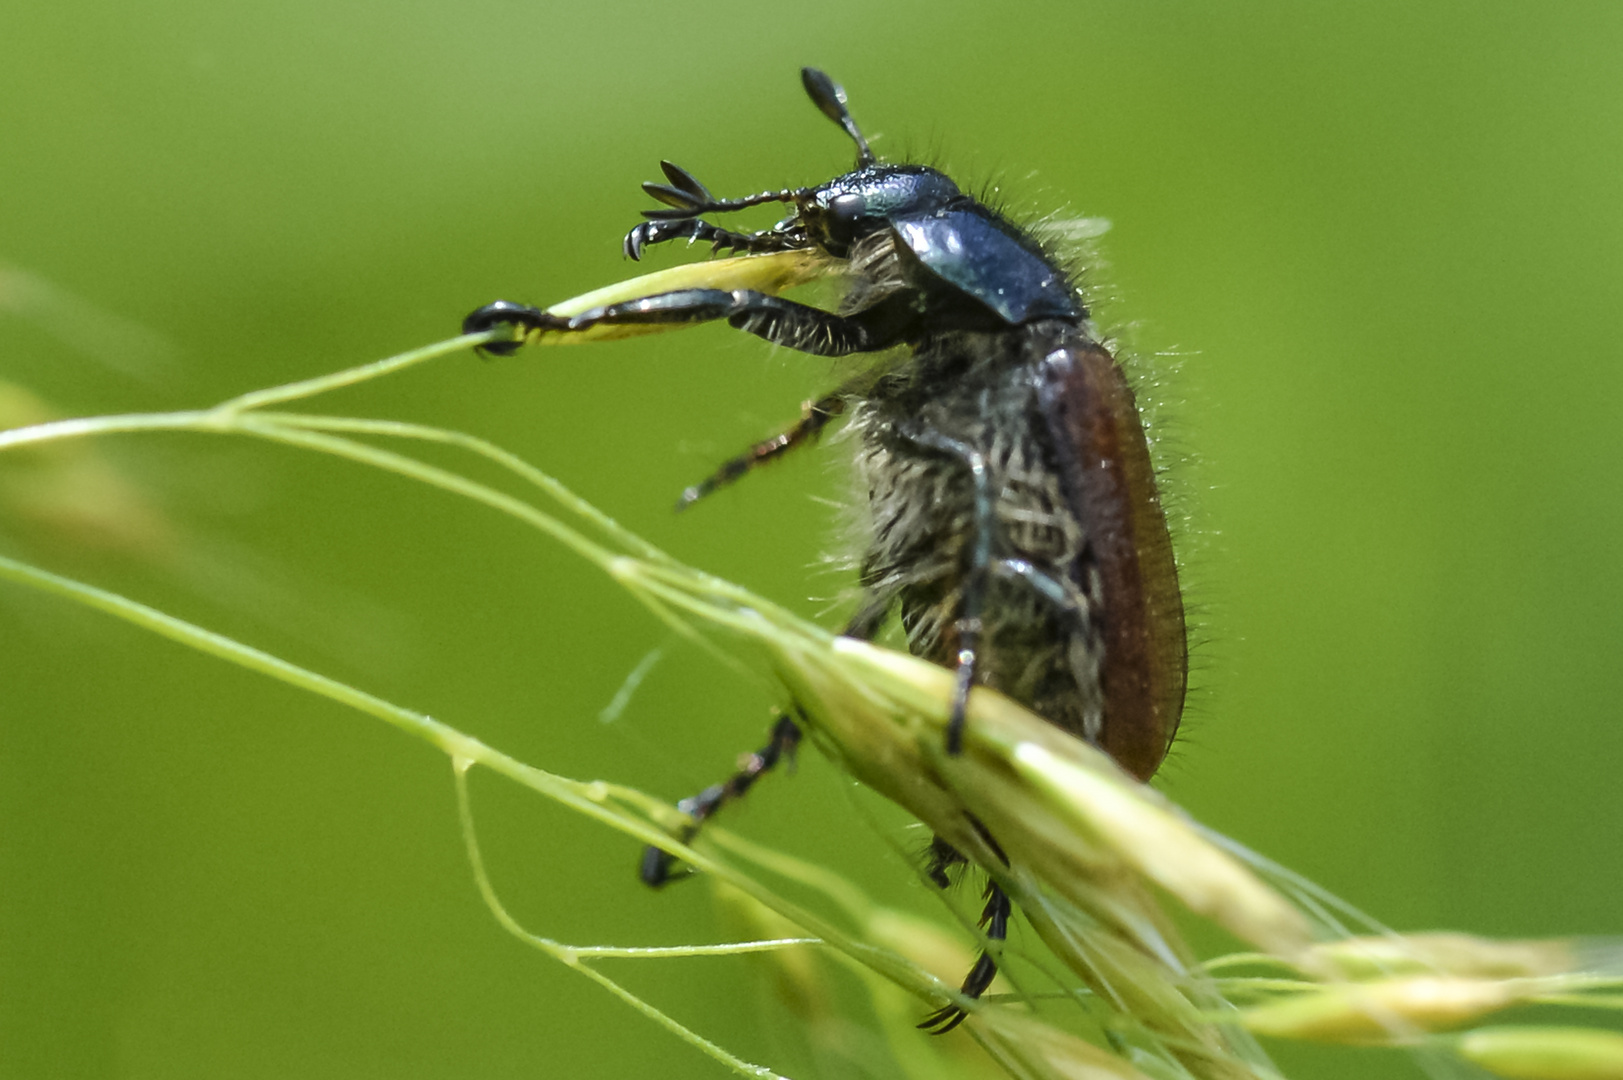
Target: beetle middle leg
pixel 1070 604
pixel 814 417
pixel 786 736
pixel 657 863
pixel 968 625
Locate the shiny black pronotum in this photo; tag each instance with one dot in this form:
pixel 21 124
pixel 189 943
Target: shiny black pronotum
pixel 1012 521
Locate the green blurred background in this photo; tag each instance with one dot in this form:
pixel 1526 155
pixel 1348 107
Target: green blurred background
pixel 1383 242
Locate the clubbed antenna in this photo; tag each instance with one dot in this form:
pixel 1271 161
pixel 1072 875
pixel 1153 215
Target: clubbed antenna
pixel 688 198
pixel 829 97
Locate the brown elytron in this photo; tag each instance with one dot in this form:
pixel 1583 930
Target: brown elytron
pixel 1010 517
pixel 1145 666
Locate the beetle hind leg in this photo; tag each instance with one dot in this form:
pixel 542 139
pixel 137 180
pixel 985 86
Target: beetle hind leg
pixel 995 921
pixel 941 857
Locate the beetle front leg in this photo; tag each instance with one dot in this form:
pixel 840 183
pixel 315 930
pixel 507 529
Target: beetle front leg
pixel 697 231
pixel 525 321
pixel 782 322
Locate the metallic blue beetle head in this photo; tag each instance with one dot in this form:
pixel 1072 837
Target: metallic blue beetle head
pixel 958 247
pixel 858 204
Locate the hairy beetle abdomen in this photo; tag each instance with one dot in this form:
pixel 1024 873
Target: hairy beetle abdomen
pixel 1081 618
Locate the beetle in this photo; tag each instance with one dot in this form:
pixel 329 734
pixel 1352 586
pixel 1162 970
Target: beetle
pixel 1012 519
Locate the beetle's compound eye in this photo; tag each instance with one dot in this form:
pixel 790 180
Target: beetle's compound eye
pixel 845 211
pixel 836 221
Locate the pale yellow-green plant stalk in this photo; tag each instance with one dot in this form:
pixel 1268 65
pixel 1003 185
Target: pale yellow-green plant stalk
pixel 1091 854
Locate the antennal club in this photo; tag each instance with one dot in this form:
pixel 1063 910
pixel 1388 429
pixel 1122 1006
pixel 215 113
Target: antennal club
pixel 688 198
pixel 829 97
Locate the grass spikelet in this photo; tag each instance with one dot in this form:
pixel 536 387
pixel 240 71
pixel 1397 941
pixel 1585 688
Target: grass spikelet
pixel 1383 1011
pixel 1453 954
pixel 1545 1053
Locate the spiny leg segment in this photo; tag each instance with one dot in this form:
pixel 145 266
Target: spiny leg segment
pixel 995 921
pixel 783 322
pixel 656 863
pixel 967 627
pixel 719 239
pixel 785 738
pixel 814 417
